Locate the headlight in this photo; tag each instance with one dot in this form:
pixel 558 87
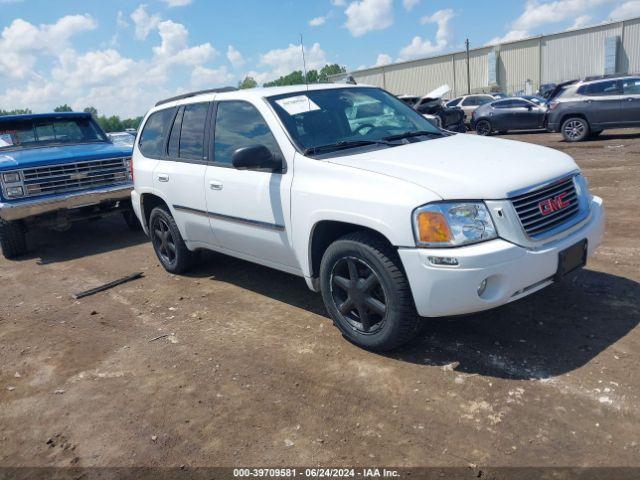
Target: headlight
pixel 15 192
pixel 451 224
pixel 12 177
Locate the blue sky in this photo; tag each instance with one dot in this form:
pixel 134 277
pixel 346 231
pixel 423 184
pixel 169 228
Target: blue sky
pixel 121 55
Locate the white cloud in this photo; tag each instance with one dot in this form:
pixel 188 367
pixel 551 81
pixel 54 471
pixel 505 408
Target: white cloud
pixel 383 59
pixel 510 36
pixel 366 15
pixel 626 10
pixel 539 13
pixel 409 4
pixel 338 3
pixel 285 60
pixel 420 47
pixel 178 3
pixel 120 20
pixel 318 21
pixel 104 78
pixel 581 21
pixel 143 22
pixel 22 42
pixel 211 77
pixel 235 57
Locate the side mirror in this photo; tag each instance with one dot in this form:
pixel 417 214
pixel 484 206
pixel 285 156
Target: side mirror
pixel 256 157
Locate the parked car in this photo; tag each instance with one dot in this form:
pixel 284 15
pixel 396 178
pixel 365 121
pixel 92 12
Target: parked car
pixel 122 138
pixel 389 222
pixel 546 89
pixel 469 103
pixel 584 109
pixel 410 100
pixel 535 99
pixel 56 168
pixel 507 115
pixel 433 108
pixel 499 95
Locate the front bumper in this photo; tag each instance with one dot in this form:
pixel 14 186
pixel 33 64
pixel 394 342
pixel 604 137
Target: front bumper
pixel 30 207
pixel 513 272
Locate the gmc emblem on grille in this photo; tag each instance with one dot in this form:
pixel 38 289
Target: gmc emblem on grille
pixel 78 176
pixel 553 204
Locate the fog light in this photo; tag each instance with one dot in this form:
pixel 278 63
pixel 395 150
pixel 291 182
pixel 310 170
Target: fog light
pixel 482 287
pixel 448 261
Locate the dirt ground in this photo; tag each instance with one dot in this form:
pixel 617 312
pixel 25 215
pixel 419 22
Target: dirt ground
pixel 251 371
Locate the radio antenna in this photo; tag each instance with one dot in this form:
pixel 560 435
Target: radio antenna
pixel 304 64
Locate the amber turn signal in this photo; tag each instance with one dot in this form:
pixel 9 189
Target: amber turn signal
pixel 433 228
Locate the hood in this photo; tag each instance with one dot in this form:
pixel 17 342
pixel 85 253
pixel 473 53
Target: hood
pixel 439 92
pixel 37 157
pixel 466 167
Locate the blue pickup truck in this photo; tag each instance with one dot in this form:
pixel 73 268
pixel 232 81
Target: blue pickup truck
pixel 55 169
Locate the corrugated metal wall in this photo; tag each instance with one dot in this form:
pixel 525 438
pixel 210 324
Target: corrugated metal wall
pixel 546 59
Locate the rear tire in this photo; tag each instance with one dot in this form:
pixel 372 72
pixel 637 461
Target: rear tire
pixel 366 292
pixel 575 129
pixel 13 239
pixel 167 242
pixel 483 128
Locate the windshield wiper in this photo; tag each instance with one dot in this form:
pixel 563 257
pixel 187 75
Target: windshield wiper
pixel 347 144
pixel 415 133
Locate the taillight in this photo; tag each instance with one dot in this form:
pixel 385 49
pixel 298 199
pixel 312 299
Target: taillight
pixel 129 162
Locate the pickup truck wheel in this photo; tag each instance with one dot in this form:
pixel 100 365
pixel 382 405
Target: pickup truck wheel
pixel 575 129
pixel 367 293
pixel 132 221
pixel 167 242
pixel 13 239
pixel 483 127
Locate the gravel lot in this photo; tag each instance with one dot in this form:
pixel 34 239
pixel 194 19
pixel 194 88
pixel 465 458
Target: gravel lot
pixel 252 372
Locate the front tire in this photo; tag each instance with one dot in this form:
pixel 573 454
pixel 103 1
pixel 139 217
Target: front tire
pixel 366 292
pixel 13 238
pixel 483 127
pixel 575 129
pixel 167 242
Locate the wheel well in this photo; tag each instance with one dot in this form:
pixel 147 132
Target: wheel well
pixel 149 202
pixel 571 115
pixel 328 231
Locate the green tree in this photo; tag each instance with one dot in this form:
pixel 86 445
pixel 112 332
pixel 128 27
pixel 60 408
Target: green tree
pixel 92 110
pixel 248 82
pixel 17 111
pixel 332 69
pixel 63 108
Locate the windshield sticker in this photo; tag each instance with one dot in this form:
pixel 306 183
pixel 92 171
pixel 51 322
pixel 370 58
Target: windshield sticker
pixel 6 140
pixel 298 104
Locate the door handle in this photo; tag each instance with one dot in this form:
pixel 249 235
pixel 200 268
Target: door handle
pixel 215 185
pixel 630 99
pixel 163 177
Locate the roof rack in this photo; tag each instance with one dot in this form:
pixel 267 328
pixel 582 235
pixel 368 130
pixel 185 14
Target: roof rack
pixel 193 94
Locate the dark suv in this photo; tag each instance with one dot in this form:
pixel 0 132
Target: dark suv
pixel 584 109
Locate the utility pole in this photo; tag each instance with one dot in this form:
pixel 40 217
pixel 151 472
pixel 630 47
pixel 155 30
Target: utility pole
pixel 466 43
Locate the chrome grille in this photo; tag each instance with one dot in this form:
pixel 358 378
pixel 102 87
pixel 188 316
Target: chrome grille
pixel 72 177
pixel 529 210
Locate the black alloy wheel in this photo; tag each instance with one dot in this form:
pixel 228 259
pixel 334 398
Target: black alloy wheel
pixel 358 295
pixel 163 241
pixel 483 127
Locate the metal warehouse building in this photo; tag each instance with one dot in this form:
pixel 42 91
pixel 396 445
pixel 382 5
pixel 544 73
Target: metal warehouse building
pixel 519 66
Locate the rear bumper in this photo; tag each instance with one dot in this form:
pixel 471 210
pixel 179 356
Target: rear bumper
pixel 36 206
pixel 512 271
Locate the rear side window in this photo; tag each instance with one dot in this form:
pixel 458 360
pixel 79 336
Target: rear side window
pixel 192 132
pixel 454 102
pixel 600 89
pixel 239 124
pixel 631 86
pixel 504 104
pixel 153 135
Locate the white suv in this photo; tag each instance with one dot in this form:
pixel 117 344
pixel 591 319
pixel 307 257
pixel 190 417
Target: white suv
pixel 389 217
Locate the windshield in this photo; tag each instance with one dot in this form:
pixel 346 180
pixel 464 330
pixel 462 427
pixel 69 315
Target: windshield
pixel 349 117
pixel 48 131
